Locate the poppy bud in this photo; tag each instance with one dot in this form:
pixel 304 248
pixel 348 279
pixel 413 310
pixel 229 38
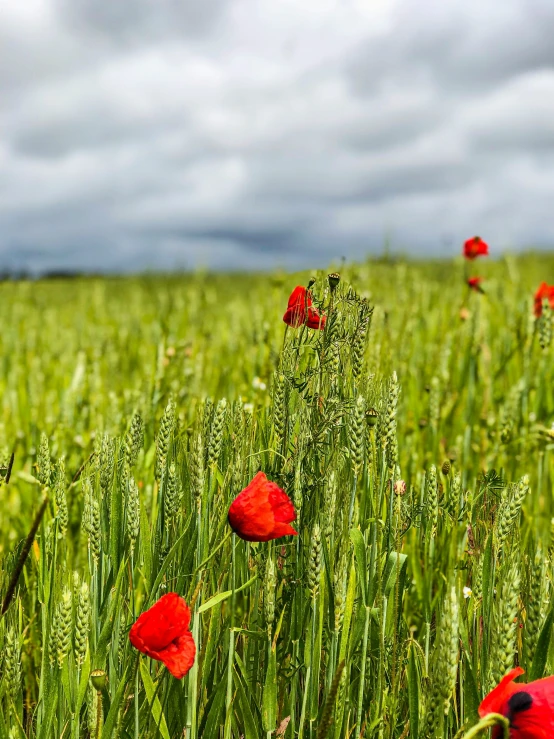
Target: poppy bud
pixel 371 416
pixel 334 279
pixel 99 680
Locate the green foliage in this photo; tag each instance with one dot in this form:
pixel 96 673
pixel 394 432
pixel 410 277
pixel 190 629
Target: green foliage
pixel 415 441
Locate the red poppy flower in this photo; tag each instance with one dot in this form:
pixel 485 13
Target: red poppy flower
pixel 475 247
pixel 262 511
pixel 162 632
pixel 528 707
pixel 300 310
pixel 543 291
pixel 474 283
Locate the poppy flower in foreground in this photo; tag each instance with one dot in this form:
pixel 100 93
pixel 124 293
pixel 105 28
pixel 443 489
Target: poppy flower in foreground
pixel 475 247
pixel 162 632
pixel 300 310
pixel 474 283
pixel 262 511
pixel 543 291
pixel 528 707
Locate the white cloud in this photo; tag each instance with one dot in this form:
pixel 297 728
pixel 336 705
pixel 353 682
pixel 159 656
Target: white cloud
pixel 248 132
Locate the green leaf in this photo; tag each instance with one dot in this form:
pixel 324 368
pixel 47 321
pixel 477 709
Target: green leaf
pixel 471 694
pixel 541 651
pixel 101 650
pixel 111 718
pixel 395 568
pixel 488 591
pixel 3 727
pixel 166 563
pixel 64 676
pixel 26 477
pixel 361 564
pixel 153 700
pixel 214 600
pixel 214 716
pixel 145 544
pixel 413 693
pixel 83 682
pixel 348 608
pixel 249 727
pixel 269 697
pixel 51 704
pixel 116 525
pixel 314 686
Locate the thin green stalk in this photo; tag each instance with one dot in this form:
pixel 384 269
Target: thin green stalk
pixel 307 684
pixel 229 696
pixel 362 673
pixel 136 697
pixel 192 708
pixel 352 500
pixel 488 722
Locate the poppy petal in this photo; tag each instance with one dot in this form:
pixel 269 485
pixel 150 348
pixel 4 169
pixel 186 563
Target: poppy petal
pixel 495 700
pixel 284 529
pixel 162 633
pixel 179 655
pixel 300 302
pixel 261 510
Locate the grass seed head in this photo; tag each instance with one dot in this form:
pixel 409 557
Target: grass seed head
pixel 167 425
pixel 134 440
pixel 12 663
pixel 133 512
pixel 44 470
pixel 216 435
pixel 61 498
pixel 314 570
pixel 82 623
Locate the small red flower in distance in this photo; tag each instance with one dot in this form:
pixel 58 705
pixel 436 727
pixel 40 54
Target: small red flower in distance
pixel 474 283
pixel 543 291
pixel 475 247
pixel 162 632
pixel 300 310
pixel 262 511
pixel 528 707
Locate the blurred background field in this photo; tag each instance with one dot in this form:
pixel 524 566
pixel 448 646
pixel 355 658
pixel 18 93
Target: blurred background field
pixel 470 408
pixel 79 356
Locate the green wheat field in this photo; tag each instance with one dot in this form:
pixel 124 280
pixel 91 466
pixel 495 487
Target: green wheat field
pixel 415 436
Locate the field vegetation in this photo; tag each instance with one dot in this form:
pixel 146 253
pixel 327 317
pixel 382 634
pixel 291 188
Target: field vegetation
pixel 414 435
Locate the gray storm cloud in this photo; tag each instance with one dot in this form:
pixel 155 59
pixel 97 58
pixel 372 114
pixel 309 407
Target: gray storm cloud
pixel 247 133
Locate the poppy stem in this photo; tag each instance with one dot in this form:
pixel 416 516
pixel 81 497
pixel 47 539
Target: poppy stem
pixel 99 714
pixel 134 615
pixel 358 731
pixel 283 347
pixel 218 547
pixel 229 696
pixel 487 722
pixel 352 500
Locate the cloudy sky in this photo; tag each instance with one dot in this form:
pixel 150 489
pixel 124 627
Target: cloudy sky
pixel 251 133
